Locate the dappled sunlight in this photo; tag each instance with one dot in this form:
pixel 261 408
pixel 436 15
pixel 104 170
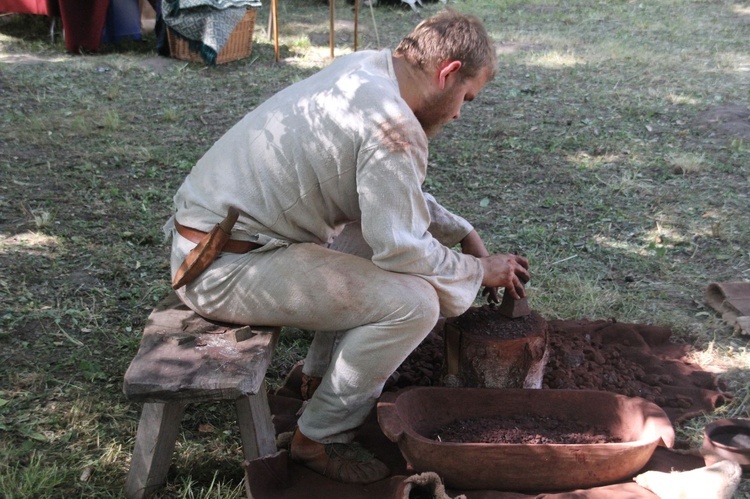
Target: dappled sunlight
pixel 635 247
pixel 19 58
pixel 611 150
pixel 112 453
pixel 8 57
pixel 719 359
pixel 661 237
pixel 628 182
pixel 556 60
pixel 616 51
pixel 686 163
pixel 731 61
pixel 731 361
pixel 593 298
pixel 618 244
pixel 734 61
pixel 680 99
pixel 655 240
pixel 307 56
pixel 27 241
pixel 672 96
pixel 584 160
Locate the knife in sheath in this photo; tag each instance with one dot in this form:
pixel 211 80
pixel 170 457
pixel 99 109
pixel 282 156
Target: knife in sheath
pixel 206 251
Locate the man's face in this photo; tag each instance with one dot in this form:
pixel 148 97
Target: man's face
pixel 444 105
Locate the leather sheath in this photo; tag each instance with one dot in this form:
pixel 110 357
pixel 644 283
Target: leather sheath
pixel 206 251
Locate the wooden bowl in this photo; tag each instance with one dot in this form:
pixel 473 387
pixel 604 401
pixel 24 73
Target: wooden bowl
pixel 410 417
pixel 729 439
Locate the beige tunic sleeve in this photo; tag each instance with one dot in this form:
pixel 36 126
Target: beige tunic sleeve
pixel 396 218
pixel 446 227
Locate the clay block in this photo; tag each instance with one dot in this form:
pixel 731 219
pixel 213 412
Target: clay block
pixel 484 348
pixel 510 307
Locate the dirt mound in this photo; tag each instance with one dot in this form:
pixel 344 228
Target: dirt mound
pixel 629 359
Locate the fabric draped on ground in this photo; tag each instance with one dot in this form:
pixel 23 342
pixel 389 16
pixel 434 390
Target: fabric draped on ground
pixel 630 359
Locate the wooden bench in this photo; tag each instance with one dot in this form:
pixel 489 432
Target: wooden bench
pixel 184 358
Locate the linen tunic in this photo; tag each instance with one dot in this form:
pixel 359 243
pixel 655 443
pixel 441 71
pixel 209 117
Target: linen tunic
pixel 338 147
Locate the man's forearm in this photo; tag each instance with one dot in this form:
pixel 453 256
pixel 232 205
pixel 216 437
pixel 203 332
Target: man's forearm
pixel 472 245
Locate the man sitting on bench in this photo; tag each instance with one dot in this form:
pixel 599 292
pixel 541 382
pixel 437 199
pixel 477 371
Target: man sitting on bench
pixel 333 232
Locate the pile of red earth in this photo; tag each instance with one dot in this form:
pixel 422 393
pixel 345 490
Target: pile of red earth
pixel 628 359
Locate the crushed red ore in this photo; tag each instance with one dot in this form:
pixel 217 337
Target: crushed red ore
pixel 526 429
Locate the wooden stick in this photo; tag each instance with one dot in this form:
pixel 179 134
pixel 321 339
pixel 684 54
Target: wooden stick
pixel 274 15
pixel 356 21
pixel 331 36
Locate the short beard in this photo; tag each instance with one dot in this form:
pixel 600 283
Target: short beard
pixel 432 131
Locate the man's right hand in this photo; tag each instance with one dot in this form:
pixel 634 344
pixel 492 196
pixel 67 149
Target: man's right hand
pixel 506 271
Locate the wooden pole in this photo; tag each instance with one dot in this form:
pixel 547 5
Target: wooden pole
pixel 356 20
pixel 274 15
pixel 331 36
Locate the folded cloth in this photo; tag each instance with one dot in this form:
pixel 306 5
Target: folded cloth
pixel 206 24
pixel 732 301
pixel 427 484
pixel 718 481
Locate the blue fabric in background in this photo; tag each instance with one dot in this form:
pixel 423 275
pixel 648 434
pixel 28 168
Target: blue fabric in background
pixel 123 21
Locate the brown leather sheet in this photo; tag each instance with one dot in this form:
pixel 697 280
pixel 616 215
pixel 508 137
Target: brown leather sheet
pixel 682 389
pixel 732 301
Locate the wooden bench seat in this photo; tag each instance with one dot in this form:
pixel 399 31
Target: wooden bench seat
pixel 185 358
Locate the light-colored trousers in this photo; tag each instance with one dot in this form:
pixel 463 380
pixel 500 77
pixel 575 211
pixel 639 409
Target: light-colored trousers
pixel 367 320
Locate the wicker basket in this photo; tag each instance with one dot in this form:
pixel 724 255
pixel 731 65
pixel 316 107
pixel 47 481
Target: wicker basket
pixel 238 46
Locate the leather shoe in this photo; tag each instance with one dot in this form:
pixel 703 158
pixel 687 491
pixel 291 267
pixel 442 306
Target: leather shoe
pixel 346 463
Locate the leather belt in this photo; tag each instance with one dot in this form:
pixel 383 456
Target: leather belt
pixel 232 246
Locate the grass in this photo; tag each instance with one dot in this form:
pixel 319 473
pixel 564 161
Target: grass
pixel 609 150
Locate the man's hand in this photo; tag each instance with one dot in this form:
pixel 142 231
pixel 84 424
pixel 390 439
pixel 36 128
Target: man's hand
pixel 514 275
pixel 506 271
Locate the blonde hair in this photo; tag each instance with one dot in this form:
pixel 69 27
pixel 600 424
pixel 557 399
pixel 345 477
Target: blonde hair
pixel 450 36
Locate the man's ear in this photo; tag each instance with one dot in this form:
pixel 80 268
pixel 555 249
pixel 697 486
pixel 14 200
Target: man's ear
pixel 447 69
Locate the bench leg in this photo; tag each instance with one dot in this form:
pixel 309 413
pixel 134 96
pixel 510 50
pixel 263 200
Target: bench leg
pixel 154 445
pixel 256 429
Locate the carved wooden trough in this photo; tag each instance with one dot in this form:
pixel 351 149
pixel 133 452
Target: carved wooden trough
pixel 412 416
